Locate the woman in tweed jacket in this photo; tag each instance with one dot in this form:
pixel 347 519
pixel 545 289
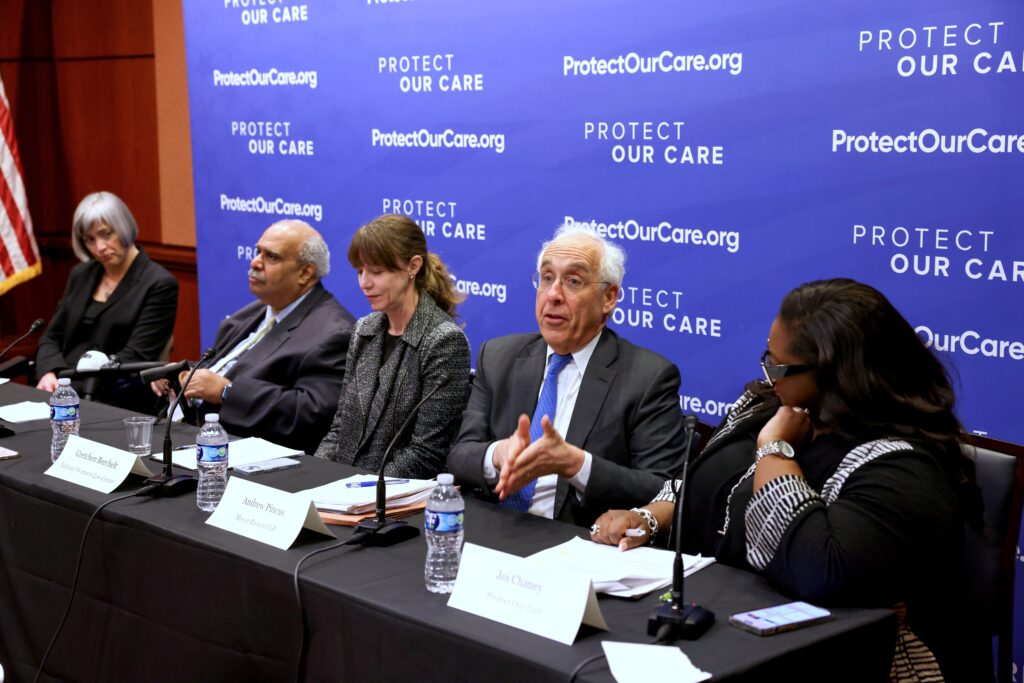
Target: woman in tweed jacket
pixel 398 354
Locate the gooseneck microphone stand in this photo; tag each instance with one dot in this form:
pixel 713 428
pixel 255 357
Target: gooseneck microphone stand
pixel 681 620
pixel 381 531
pixel 167 484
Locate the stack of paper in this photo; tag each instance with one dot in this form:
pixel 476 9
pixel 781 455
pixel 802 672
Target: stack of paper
pixel 624 574
pixel 358 494
pixel 26 411
pixel 241 452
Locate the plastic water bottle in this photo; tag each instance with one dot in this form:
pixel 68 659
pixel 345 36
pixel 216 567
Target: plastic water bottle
pixel 65 416
pixel 212 462
pixel 445 514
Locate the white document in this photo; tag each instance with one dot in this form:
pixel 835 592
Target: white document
pixel 26 411
pixel 4 380
pixel 94 465
pixel 241 452
pixel 357 494
pixel 623 574
pixel 547 602
pixel 266 514
pixel 639 663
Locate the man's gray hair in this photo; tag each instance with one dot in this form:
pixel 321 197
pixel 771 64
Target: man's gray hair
pixel 106 208
pixel 613 257
pixel 314 250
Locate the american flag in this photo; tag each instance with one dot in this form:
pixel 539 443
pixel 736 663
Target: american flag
pixel 19 255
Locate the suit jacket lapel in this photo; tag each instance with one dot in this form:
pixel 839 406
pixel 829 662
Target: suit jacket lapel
pixel 129 280
pixel 527 376
pixel 80 298
pixel 593 391
pixel 384 380
pixel 277 336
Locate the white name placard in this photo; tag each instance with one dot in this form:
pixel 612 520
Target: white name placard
pixel 266 514
pixel 545 601
pixel 94 465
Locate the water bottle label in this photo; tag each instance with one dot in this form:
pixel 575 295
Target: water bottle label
pixel 212 453
pixel 443 521
pixel 64 413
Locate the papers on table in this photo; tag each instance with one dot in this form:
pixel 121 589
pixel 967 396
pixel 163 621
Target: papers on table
pixel 338 496
pixel 26 411
pixel 614 572
pixel 639 663
pixel 241 452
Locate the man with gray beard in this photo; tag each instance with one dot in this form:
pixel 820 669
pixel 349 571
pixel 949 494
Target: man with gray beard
pixel 279 361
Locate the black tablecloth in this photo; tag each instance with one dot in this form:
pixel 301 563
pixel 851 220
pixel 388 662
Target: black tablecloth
pixel 164 596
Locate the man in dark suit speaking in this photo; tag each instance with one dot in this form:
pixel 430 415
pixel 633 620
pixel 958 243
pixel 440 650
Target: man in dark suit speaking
pixel 616 404
pixel 280 361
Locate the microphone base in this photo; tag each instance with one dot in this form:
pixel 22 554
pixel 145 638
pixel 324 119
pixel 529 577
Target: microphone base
pixel 689 622
pixel 171 487
pixel 370 532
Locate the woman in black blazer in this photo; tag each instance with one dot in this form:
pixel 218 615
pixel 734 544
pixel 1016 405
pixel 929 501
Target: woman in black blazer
pixel 117 302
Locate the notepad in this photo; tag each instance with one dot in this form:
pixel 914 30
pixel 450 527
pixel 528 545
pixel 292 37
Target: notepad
pixel 338 496
pixel 626 574
pixel 241 452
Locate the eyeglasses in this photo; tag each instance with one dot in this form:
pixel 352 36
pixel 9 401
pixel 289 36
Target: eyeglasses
pixel 570 283
pixel 774 372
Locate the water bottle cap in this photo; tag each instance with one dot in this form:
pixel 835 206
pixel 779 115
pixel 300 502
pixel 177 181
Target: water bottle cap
pixel 446 479
pixel 64 381
pixel 213 417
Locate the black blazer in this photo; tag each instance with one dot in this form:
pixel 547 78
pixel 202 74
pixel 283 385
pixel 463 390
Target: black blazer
pixel 285 389
pixel 626 415
pixel 135 325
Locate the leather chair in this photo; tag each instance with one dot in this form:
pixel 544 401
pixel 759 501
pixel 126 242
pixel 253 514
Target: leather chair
pixel 999 471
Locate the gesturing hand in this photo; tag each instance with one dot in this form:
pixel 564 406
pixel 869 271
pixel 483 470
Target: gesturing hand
pixel 550 454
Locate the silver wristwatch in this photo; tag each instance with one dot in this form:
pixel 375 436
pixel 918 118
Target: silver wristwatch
pixel 781 449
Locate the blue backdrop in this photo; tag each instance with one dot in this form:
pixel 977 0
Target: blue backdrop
pixel 735 149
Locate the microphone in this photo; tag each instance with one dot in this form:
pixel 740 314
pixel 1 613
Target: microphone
pixel 675 618
pixel 163 371
pixel 166 484
pixel 381 531
pixel 36 324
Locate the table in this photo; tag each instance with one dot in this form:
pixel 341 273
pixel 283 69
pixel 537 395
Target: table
pixel 163 596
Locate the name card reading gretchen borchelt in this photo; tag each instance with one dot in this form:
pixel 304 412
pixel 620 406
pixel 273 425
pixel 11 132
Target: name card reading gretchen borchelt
pixel 94 465
pixel 266 514
pixel 545 601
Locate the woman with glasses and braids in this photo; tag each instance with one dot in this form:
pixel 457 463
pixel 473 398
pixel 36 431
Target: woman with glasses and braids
pixel 840 477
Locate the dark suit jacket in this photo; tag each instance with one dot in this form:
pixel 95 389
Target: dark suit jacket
pixel 627 416
pixel 135 325
pixel 286 387
pixel 376 400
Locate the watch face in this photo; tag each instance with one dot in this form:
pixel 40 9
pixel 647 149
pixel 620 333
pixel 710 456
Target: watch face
pixel 785 450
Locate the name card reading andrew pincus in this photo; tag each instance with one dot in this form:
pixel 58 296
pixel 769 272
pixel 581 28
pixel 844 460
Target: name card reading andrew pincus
pixel 94 465
pixel 266 514
pixel 545 601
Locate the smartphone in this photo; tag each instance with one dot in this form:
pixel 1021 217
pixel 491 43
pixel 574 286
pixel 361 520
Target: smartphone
pixel 780 618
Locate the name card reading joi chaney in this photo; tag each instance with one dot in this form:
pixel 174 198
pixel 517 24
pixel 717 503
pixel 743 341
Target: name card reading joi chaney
pixel 94 465
pixel 545 601
pixel 266 514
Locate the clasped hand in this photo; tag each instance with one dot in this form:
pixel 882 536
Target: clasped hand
pixel 520 461
pixel 205 385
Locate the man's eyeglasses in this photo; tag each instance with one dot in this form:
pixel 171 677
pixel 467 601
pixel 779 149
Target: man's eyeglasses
pixel 774 372
pixel 570 283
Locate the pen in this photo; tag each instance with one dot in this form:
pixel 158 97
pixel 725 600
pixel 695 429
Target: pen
pixel 365 484
pixel 635 533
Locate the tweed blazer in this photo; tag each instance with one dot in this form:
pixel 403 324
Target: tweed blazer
pixel 375 400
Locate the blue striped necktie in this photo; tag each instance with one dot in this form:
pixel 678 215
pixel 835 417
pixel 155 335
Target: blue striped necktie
pixel 546 405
